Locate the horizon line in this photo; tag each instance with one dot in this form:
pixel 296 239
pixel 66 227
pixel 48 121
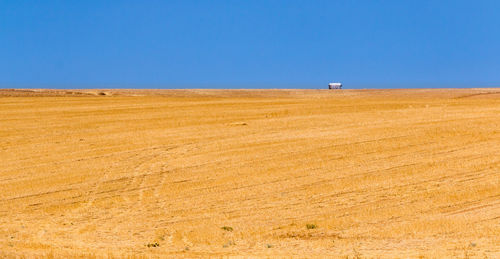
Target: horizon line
pixel 239 89
pixel 249 86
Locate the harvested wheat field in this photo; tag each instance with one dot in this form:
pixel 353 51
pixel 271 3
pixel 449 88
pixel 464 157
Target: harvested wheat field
pixel 250 173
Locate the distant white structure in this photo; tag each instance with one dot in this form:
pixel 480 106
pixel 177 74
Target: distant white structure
pixel 334 86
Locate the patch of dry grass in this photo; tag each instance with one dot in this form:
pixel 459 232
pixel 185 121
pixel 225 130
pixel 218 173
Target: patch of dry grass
pixel 378 173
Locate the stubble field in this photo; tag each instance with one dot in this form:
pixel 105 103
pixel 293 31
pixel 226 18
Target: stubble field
pixel 251 173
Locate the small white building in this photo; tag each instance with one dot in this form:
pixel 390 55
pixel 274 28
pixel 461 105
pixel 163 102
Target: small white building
pixel 334 86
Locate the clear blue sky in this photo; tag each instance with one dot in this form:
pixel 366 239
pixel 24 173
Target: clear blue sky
pixel 249 44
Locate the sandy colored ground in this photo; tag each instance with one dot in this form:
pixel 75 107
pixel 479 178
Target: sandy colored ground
pixel 374 173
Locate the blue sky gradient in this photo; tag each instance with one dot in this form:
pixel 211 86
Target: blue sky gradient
pixel 249 44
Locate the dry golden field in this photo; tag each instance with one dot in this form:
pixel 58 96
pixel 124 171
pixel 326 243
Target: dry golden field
pixel 250 173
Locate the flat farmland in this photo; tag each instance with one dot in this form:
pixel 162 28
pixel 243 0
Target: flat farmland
pixel 251 173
